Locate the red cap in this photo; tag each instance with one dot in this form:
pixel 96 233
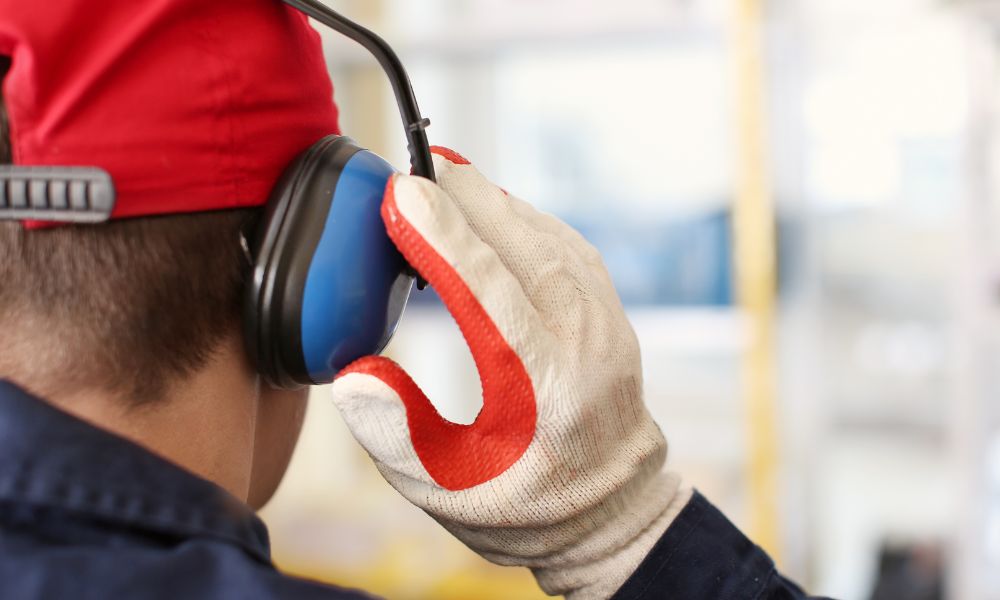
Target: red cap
pixel 191 105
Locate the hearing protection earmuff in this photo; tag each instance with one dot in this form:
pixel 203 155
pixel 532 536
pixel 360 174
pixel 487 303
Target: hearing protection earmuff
pixel 327 285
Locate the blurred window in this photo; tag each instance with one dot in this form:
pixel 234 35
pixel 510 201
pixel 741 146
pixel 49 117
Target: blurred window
pixel 616 118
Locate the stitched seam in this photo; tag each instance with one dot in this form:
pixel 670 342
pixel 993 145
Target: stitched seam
pixel 18 488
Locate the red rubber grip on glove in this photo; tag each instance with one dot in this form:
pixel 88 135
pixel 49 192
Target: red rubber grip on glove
pixel 458 456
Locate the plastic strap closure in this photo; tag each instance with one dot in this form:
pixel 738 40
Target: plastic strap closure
pixel 56 194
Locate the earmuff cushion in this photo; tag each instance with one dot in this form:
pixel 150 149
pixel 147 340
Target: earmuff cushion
pixel 328 286
pixel 356 287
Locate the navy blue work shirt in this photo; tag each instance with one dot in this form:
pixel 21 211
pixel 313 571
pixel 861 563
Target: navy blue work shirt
pixel 85 514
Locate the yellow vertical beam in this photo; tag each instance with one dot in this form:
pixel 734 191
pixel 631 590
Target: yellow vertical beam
pixel 755 265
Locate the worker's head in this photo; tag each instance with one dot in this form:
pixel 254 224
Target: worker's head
pixel 195 111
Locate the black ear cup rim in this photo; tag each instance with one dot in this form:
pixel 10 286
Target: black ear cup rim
pixel 257 308
pixel 271 288
pixel 283 250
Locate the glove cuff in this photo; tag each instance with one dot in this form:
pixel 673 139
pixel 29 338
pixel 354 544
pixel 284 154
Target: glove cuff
pixel 599 570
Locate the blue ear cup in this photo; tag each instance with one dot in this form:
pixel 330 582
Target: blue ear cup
pixel 328 286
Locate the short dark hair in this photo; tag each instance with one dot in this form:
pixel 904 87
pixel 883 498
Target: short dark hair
pixel 125 307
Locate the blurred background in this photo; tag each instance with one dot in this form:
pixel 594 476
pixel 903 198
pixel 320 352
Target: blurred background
pixel 797 200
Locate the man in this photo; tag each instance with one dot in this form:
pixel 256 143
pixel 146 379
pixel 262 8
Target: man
pixel 135 436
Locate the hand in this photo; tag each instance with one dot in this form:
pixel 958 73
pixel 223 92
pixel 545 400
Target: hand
pixel 562 470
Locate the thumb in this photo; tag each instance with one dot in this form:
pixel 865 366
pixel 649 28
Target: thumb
pixel 366 396
pixel 404 434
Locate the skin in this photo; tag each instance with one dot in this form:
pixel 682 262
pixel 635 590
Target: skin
pixel 223 423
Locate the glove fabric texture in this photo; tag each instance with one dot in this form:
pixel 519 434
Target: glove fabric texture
pixel 562 471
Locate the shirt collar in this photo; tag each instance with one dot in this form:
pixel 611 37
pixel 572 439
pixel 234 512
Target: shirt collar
pixel 51 459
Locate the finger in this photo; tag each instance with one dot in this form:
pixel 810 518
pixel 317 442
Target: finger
pixel 456 182
pixel 563 275
pixel 604 287
pixel 428 227
pixel 547 223
pixel 499 325
pixel 554 278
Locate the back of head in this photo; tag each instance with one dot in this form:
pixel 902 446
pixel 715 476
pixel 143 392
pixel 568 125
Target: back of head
pixel 125 307
pixel 194 108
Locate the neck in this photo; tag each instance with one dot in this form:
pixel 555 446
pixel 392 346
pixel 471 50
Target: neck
pixel 205 423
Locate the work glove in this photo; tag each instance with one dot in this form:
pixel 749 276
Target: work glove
pixel 562 471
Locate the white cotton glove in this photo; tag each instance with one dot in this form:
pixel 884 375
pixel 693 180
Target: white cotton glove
pixel 562 470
